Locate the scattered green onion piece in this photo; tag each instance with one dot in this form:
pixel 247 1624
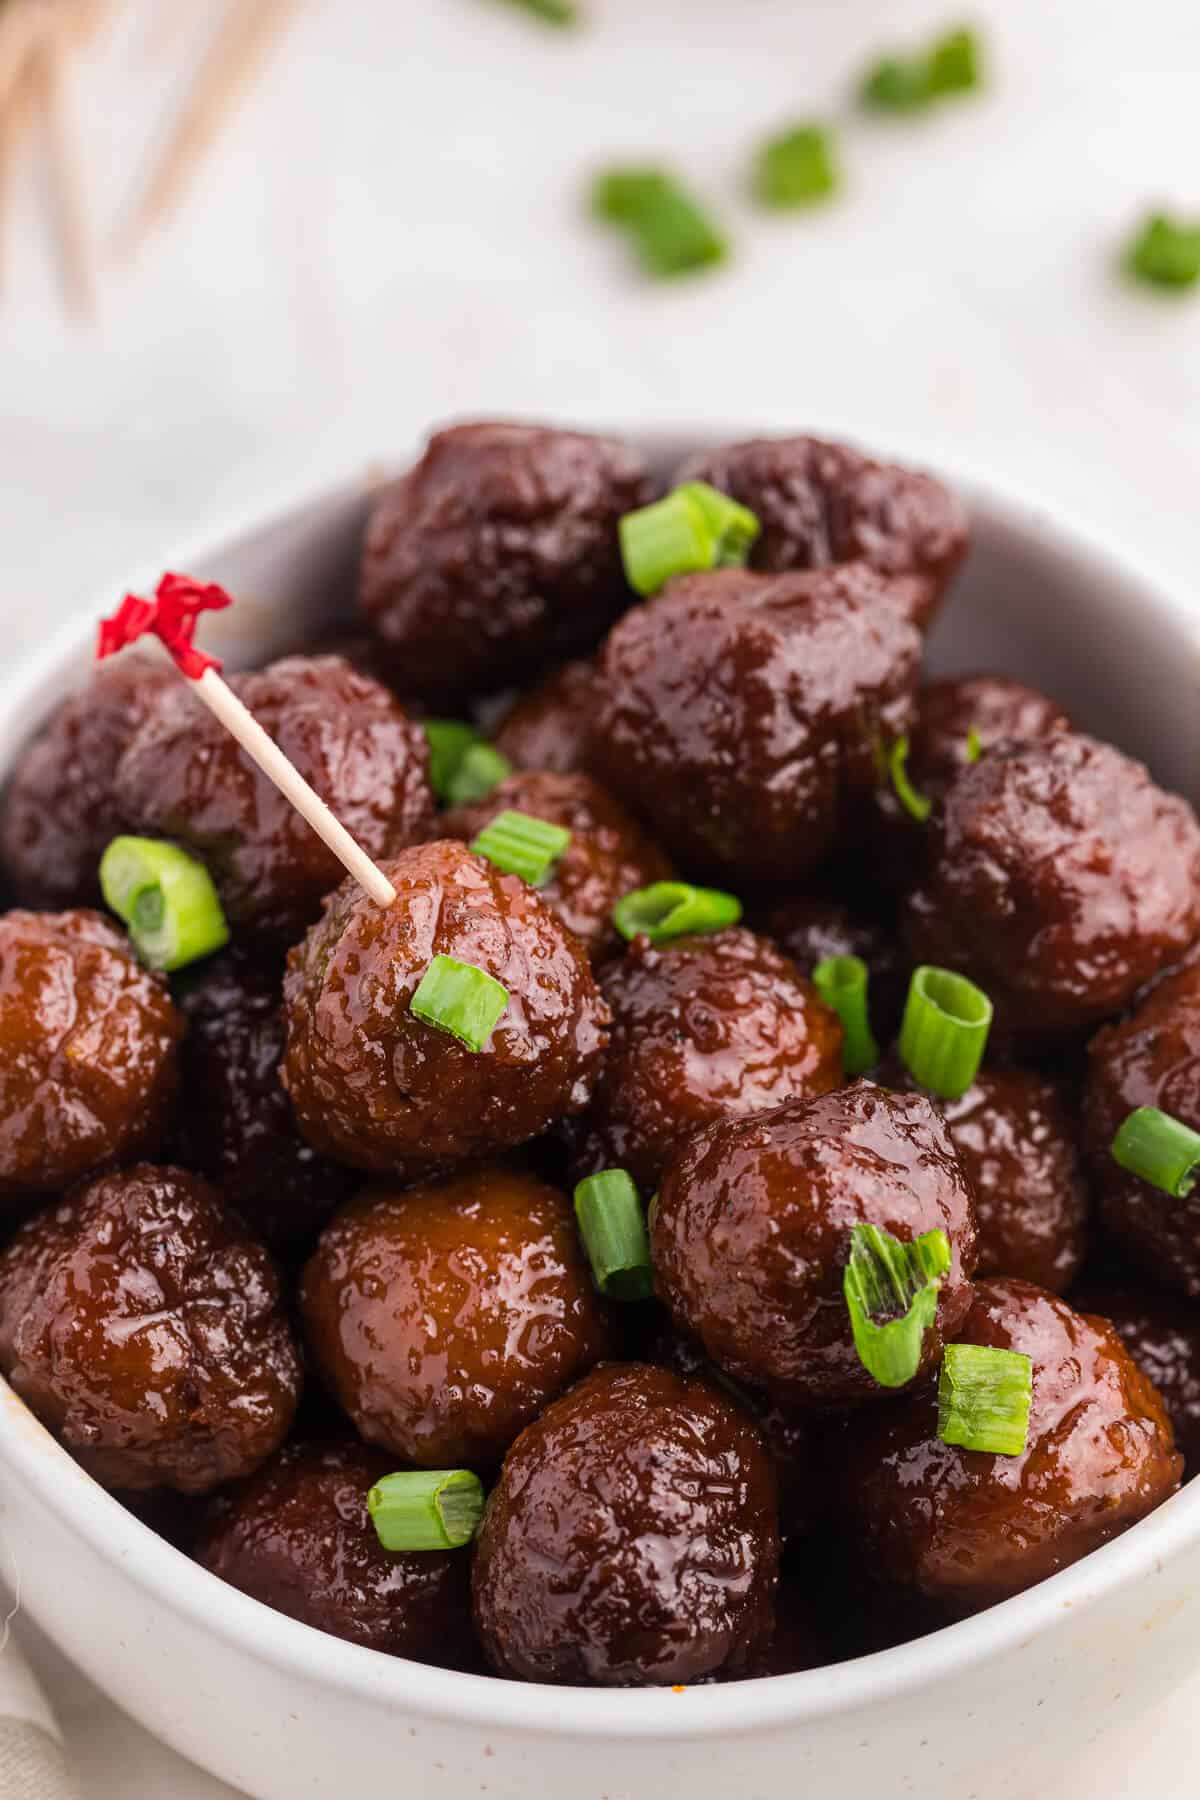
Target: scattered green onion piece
pixel 1164 253
pixel 796 168
pixel 984 1398
pixel 449 740
pixel 669 909
pixel 842 982
pixel 166 900
pixel 896 84
pixel 480 769
pixel 955 64
pixel 974 745
pixel 1160 1149
pixel 944 1031
pixel 736 528
pixel 668 230
pixel 552 12
pixel 918 806
pixel 426 1509
pixel 460 999
pixel 891 1290
pixel 612 1225
pixel 671 536
pixel 523 845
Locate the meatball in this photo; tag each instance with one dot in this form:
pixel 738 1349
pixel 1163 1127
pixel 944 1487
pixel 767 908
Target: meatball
pixel 87 1050
pixel 809 928
pixel 143 1327
pixel 183 776
pixel 1162 1334
pixel 994 707
pixel 707 1027
pixel 631 1539
pixel 968 1528
pixel 497 553
pixel 549 727
pixel 742 713
pixel 297 1536
pixel 824 503
pixel 752 1230
pixel 608 855
pixel 1151 1058
pixel 445 1317
pixel 1060 879
pixel 235 1124
pixel 1015 1135
pixel 59 812
pixel 787 1436
pixel 380 1089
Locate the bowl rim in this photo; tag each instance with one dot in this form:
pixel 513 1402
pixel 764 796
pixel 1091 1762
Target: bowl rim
pixel 251 1628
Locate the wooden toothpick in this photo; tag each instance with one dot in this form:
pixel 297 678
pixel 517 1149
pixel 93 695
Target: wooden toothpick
pixel 171 617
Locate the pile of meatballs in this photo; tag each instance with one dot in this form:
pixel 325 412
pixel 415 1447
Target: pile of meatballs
pixel 269 1236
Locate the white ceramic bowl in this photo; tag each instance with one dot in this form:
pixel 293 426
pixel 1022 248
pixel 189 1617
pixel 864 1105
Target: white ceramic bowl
pixel 1000 1707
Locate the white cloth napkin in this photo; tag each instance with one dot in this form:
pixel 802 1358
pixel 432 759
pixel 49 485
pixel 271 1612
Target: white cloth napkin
pixel 33 1764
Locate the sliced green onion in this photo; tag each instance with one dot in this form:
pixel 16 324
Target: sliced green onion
pixel 426 1509
pixel 984 1398
pixel 842 982
pixel 449 740
pixel 796 168
pixel 522 845
pixel 974 745
pixel 672 536
pixel 955 64
pixel 480 769
pixel 669 909
pixel 553 12
pixel 944 1031
pixel 612 1225
pixel 891 1290
pixel 1161 1149
pixel 669 231
pixel 1165 252
pixel 736 528
pixel 917 805
pixel 896 84
pixel 165 898
pixel 460 999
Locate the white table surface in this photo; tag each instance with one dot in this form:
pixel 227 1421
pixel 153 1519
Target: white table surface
pixel 393 234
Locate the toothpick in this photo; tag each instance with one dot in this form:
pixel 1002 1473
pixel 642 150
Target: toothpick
pixel 16 105
pixel 246 35
pixel 171 617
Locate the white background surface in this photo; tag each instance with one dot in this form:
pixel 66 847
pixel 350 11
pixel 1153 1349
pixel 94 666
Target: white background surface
pixel 393 234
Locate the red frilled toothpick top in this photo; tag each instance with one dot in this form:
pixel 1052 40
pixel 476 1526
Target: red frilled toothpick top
pixel 171 617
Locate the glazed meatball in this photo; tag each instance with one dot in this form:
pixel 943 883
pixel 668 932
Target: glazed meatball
pixel 742 713
pixel 994 707
pixel 234 1122
pixel 1152 1058
pixel 298 1537
pixel 787 1436
pixel 445 1317
pixel 631 1539
pixel 608 855
pixel 809 928
pixel 968 1528
pixel 549 727
pixel 752 1230
pixel 59 812
pixel 378 1088
pixel 1016 1137
pixel 184 777
pixel 497 553
pixel 88 1051
pixel 703 1028
pixel 823 503
pixel 1162 1334
pixel 1060 879
pixel 143 1327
